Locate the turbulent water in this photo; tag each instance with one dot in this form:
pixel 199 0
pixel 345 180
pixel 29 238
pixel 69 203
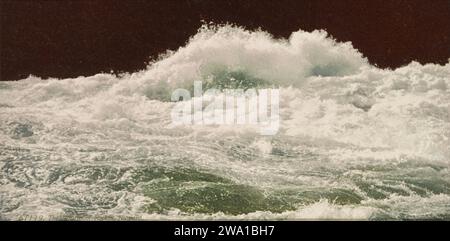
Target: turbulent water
pixel 355 141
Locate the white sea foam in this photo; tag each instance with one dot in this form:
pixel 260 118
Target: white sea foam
pixel 339 116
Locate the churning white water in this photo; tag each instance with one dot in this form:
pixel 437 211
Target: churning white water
pixel 355 141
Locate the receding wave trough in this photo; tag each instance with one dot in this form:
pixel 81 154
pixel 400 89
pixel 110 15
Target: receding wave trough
pixel 355 141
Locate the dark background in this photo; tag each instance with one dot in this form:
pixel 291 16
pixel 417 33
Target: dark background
pixel 72 38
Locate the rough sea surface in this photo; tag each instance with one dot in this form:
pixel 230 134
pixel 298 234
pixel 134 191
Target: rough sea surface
pixel 355 141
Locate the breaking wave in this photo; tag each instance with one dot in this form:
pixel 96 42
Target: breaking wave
pixel 355 141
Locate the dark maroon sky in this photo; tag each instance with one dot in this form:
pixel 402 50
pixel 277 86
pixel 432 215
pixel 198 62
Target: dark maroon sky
pixel 72 38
